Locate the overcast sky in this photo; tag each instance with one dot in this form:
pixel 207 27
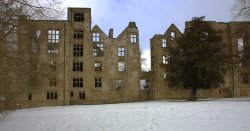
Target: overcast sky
pixel 152 16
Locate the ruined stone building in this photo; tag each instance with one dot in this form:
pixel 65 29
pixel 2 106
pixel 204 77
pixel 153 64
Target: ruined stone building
pixel 68 62
pixel 236 36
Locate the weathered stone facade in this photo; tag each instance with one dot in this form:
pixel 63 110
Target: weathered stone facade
pixel 236 79
pixel 67 62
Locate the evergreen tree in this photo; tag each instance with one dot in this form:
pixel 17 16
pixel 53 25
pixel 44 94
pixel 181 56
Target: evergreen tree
pixel 198 58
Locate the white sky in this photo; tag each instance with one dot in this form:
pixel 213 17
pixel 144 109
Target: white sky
pixel 152 16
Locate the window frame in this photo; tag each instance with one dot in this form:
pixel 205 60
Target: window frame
pixel 121 51
pixel 133 38
pixel 52 81
pixel 98 66
pixel 53 36
pixel 98 82
pixel 78 34
pixel 78 17
pixel 96 37
pixel 77 82
pixel 164 43
pixel 77 66
pixel 77 50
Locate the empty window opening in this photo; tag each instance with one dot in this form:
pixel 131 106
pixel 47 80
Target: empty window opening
pixel 81 95
pixel 52 81
pixel 78 50
pixel 121 66
pixel 204 36
pixel 121 51
pixel 77 66
pixel 78 82
pixel 98 81
pixel 132 38
pixel 52 64
pixel 240 44
pixel 98 50
pixel 53 36
pixel 71 94
pixel 165 75
pixel 38 33
pixel 98 66
pixel 78 34
pixel 94 52
pixel 51 95
pixel 118 84
pixel 144 84
pixel 78 17
pixel 164 43
pixel 164 60
pixel 96 37
pixel 53 51
pixel 172 35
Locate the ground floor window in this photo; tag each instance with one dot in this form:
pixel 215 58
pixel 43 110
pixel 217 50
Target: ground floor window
pixel 51 95
pixel 82 95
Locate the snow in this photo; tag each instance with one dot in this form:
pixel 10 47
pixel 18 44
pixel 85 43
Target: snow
pixel 204 115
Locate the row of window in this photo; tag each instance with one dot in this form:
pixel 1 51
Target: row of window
pixel 96 37
pixel 97 51
pixel 78 82
pixel 53 95
pixel 78 66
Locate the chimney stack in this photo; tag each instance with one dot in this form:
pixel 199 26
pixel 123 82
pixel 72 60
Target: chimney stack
pixel 111 33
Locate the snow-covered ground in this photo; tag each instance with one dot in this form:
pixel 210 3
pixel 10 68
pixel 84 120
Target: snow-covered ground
pixel 206 115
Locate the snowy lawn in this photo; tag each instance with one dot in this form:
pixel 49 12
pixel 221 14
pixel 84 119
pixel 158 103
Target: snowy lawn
pixel 206 115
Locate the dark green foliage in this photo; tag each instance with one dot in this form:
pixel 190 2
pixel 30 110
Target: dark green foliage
pixel 198 58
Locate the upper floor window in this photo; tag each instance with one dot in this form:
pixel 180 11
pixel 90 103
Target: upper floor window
pixel 53 36
pixel 165 75
pixel 121 66
pixel 77 66
pixel 77 82
pixel 98 66
pixel 52 81
pixel 98 50
pixel 121 51
pixel 96 37
pixel 53 51
pixel 100 46
pixel 164 60
pixel 240 43
pixel 164 43
pixel 98 81
pixel 78 34
pixel 172 35
pixel 52 65
pixel 78 17
pixel 132 38
pixel 118 84
pixel 77 50
pixel 94 52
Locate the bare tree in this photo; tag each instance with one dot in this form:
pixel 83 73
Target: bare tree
pixel 241 9
pixel 10 10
